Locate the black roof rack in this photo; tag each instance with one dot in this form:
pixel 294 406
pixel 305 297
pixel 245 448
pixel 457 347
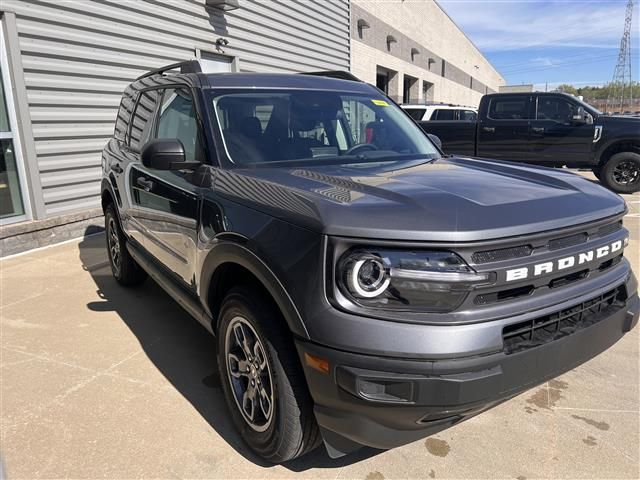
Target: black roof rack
pixel 187 66
pixel 339 74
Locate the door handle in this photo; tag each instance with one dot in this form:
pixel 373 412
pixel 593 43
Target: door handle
pixel 537 129
pixel 147 185
pixel 116 168
pixel 488 129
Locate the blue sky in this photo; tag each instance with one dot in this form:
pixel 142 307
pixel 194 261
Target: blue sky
pixel 554 41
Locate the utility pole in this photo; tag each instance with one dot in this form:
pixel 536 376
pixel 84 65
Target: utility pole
pixel 620 87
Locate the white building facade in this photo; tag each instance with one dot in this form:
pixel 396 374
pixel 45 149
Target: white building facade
pixel 413 51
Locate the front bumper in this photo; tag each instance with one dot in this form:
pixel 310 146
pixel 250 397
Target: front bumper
pixel 384 401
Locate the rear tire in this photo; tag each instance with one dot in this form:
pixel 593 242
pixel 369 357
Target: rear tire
pixel 597 171
pixel 262 380
pixel 124 268
pixel 621 173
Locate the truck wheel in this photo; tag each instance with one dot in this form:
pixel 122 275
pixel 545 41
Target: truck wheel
pixel 621 173
pixel 263 383
pixel 124 268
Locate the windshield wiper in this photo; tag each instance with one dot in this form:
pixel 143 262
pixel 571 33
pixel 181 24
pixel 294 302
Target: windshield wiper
pixel 341 160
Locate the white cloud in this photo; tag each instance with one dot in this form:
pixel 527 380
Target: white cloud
pixel 508 25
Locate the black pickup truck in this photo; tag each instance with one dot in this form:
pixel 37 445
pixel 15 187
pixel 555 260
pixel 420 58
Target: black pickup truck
pixel 550 129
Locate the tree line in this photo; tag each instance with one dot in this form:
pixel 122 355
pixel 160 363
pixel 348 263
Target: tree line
pixel 598 93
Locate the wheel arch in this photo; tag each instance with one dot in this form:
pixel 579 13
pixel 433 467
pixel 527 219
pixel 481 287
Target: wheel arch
pixel 630 144
pixel 106 196
pixel 230 264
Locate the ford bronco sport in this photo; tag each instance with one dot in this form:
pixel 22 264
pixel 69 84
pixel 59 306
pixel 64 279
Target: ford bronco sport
pixel 363 289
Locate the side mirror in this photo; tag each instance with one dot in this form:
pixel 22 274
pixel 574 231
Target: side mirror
pixel 580 117
pixel 162 153
pixel 434 139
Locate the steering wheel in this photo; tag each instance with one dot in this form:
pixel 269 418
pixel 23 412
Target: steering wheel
pixel 361 146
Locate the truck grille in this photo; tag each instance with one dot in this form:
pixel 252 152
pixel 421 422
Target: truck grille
pixel 538 331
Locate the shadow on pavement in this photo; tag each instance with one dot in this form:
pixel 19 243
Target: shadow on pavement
pixel 182 350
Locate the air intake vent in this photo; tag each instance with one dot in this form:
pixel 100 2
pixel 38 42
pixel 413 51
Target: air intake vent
pixel 608 229
pixel 502 254
pixel 541 330
pixel 564 242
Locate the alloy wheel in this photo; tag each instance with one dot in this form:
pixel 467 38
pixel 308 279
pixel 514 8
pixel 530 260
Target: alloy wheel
pixel 114 245
pixel 249 374
pixel 626 173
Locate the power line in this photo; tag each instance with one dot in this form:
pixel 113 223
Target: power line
pixel 561 65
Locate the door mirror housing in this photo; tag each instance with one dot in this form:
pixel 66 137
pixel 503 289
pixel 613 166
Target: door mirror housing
pixel 166 154
pixel 580 117
pixel 435 140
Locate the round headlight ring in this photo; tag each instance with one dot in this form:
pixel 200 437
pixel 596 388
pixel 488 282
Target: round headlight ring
pixel 368 278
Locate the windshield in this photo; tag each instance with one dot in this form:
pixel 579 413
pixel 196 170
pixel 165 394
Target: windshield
pixel 589 106
pixel 316 127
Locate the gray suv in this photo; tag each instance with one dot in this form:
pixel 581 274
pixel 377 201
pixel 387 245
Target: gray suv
pixel 363 288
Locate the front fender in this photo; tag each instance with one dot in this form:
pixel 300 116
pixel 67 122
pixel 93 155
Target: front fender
pixel 230 252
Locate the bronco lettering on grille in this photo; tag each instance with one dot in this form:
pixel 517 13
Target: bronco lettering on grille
pixel 565 262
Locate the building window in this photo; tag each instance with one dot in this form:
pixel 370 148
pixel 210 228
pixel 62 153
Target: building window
pixel 444 68
pixel 409 90
pixel 427 91
pixel 390 41
pixel 13 204
pixel 362 25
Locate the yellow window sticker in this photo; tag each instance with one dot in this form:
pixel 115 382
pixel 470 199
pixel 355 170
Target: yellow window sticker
pixel 380 103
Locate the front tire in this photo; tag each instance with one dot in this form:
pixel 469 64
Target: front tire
pixel 124 268
pixel 262 379
pixel 621 173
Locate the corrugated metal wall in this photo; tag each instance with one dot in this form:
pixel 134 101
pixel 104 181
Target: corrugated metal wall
pixel 78 56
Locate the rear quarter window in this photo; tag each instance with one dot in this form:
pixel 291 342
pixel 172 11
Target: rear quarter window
pixel 416 113
pixel 124 116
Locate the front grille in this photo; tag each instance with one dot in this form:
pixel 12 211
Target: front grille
pixel 538 331
pixel 501 254
pixel 520 251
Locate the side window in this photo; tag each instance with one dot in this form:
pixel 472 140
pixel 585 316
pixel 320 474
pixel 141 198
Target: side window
pixel 509 108
pixel 468 116
pixel 416 113
pixel 555 108
pixel 177 119
pixel 444 114
pixel 141 121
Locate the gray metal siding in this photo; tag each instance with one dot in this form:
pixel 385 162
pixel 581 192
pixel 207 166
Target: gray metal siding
pixel 79 55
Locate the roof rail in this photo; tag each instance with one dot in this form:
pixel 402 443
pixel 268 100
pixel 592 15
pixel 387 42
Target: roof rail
pixel 339 74
pixel 186 66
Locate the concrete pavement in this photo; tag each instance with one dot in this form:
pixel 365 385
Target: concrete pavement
pixel 98 381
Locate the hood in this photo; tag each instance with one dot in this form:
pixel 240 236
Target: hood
pixel 622 121
pixel 450 199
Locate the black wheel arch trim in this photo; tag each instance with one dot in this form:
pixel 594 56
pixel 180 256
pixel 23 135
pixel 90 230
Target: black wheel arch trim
pixel 231 252
pixel 107 186
pixel 612 142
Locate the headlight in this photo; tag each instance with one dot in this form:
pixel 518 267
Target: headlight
pixel 429 281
